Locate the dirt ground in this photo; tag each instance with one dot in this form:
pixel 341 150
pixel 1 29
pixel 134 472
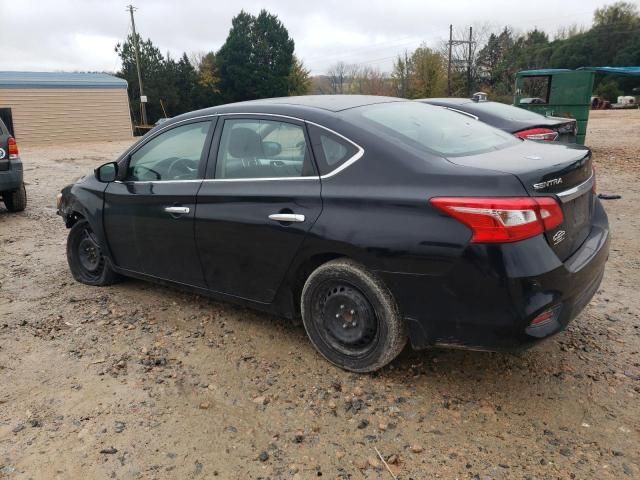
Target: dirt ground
pixel 140 381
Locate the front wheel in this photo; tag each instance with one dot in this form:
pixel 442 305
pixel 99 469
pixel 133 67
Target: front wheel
pixel 351 317
pixel 87 263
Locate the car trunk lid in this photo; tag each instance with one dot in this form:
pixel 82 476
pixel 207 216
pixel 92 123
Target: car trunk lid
pixel 549 169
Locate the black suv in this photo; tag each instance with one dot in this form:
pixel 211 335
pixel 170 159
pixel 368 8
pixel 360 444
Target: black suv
pixel 12 188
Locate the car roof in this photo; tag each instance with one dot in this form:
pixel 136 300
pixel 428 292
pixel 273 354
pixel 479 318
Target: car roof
pixel 332 103
pixel 316 108
pixel 450 101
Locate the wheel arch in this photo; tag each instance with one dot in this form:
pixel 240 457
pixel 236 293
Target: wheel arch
pixel 72 217
pixel 290 291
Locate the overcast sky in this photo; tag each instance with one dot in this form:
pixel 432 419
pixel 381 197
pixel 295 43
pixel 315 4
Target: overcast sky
pixel 42 35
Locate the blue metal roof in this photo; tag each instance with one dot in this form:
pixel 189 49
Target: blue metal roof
pixel 544 71
pixel 616 70
pixel 59 80
pixel 552 71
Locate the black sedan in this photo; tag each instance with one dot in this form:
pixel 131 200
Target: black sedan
pixel 517 121
pixel 373 220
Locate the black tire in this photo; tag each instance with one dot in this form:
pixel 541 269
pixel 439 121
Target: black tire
pixel 84 255
pixel 351 317
pixel 16 201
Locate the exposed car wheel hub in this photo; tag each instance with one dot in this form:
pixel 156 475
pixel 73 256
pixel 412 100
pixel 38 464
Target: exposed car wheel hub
pixel 89 253
pixel 348 320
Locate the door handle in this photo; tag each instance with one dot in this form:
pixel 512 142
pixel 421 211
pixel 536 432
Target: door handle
pixel 177 210
pixel 287 217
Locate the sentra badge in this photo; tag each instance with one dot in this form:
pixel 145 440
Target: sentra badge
pixel 548 183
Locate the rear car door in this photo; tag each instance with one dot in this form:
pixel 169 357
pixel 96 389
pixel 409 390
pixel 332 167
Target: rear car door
pixel 260 198
pixel 149 213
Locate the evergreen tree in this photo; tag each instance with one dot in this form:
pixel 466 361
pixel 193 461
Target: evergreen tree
pixel 256 59
pixel 299 79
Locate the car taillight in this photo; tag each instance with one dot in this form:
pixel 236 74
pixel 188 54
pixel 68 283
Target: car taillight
pixel 538 134
pixel 502 219
pixel 13 148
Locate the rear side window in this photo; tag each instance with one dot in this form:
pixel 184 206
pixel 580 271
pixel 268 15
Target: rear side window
pixel 263 149
pixel 433 129
pixel 331 151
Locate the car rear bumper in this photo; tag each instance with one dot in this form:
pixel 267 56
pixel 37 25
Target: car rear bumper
pixel 11 179
pixel 489 297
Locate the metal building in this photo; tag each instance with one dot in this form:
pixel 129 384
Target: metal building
pixel 56 107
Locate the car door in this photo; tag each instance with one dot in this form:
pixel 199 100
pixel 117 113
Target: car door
pixel 260 198
pixel 149 212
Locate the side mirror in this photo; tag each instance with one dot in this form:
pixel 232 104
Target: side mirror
pixel 107 173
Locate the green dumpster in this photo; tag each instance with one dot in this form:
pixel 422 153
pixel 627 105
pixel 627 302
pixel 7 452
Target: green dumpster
pixel 557 93
pixel 563 93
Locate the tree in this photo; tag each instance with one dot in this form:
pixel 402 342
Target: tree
pixel 234 60
pixel 400 75
pixel 428 76
pixel 208 75
pixel 608 90
pixel 256 59
pixel 299 79
pixel 365 80
pixel 491 66
pixel 337 77
pixel 207 89
pixel 156 77
pixel 186 85
pixel 619 14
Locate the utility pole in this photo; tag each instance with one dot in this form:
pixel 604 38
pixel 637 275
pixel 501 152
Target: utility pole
pixel 143 100
pixel 466 58
pixel 470 61
pixel 449 65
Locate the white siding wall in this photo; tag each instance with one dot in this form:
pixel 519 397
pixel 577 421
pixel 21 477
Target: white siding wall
pixel 56 115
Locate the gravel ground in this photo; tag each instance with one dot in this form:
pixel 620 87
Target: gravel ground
pixel 140 381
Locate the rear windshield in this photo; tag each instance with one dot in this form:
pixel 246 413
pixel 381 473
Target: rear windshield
pixel 508 112
pixel 433 129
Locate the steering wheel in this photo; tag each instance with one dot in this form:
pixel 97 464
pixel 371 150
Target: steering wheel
pixel 181 168
pixel 150 170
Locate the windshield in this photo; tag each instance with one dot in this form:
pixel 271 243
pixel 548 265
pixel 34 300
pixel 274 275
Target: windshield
pixel 433 129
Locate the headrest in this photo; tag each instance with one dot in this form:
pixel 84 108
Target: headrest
pixel 245 143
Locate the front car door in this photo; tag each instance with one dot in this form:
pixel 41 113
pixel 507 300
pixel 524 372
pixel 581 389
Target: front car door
pixel 149 212
pixel 260 198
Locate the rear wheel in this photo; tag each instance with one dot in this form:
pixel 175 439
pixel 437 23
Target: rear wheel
pixel 351 317
pixel 16 201
pixel 84 255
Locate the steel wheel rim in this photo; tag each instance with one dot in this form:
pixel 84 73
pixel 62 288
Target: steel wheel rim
pixel 345 319
pixel 89 253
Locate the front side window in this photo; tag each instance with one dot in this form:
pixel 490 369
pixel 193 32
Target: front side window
pixel 262 149
pixel 172 155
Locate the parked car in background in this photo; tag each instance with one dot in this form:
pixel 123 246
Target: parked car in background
pixel 12 188
pixel 533 100
pixel 521 123
pixel 376 220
